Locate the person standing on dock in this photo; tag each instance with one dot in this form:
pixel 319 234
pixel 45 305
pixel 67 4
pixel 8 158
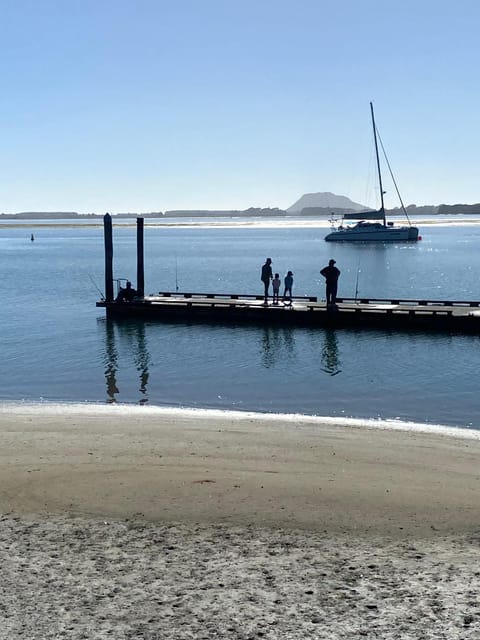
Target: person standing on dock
pixel 288 281
pixel 331 275
pixel 266 277
pixel 276 282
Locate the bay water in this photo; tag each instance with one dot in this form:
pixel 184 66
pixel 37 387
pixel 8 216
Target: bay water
pixel 58 347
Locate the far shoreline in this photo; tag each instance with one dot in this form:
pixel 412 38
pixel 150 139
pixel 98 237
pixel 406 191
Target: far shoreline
pixel 224 222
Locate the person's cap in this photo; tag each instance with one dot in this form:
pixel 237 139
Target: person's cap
pixel 290 273
pixel 269 259
pixel 332 261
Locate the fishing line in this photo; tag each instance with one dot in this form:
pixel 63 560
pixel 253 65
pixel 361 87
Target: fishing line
pixel 102 297
pixel 356 284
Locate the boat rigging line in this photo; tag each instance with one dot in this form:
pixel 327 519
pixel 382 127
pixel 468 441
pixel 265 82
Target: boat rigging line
pixel 393 177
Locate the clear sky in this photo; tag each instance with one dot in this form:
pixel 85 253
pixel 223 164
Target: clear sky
pixel 149 105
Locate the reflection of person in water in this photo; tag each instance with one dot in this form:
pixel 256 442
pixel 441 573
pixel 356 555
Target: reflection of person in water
pixel 127 294
pixel 330 355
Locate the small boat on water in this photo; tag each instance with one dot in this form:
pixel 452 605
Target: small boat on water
pixel 381 230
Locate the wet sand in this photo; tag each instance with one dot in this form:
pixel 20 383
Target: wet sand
pixel 164 524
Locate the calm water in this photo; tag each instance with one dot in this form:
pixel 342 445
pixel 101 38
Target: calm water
pixel 58 347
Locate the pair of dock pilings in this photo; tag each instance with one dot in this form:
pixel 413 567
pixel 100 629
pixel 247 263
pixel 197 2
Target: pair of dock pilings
pixel 455 316
pixel 108 239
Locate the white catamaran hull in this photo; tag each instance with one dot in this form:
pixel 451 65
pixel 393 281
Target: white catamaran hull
pixel 368 232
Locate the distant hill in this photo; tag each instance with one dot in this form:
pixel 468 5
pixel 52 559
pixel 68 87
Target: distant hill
pixel 324 200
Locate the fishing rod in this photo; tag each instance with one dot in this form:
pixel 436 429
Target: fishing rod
pixel 102 297
pixel 356 284
pixel 176 273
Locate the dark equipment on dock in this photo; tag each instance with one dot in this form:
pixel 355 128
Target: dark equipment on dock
pixel 304 311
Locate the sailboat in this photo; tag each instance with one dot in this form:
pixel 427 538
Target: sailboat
pixel 380 231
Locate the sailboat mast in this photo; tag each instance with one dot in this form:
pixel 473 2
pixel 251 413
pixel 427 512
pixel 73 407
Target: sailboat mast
pixel 378 163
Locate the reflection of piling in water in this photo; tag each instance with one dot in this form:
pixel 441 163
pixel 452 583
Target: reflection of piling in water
pixel 142 359
pixel 133 334
pixel 111 366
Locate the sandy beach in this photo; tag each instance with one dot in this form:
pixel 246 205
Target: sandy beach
pixel 147 523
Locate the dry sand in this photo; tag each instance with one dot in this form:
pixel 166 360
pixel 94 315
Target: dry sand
pixel 161 524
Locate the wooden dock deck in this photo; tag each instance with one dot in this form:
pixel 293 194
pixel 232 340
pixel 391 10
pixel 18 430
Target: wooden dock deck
pixel 454 316
pixel 428 315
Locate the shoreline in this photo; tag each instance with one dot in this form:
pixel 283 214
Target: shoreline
pixel 126 409
pixel 194 465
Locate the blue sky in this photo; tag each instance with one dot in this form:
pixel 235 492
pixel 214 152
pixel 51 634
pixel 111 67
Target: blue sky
pixel 143 105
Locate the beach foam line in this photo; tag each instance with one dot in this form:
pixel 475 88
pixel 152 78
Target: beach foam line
pixel 126 410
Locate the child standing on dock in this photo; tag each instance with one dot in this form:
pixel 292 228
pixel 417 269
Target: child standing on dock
pixel 276 282
pixel 287 294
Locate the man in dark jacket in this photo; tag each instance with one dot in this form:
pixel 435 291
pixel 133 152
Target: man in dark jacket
pixel 331 275
pixel 266 277
pixel 127 294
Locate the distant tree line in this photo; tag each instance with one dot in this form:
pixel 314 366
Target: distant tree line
pixel 186 213
pixel 412 209
pixel 442 209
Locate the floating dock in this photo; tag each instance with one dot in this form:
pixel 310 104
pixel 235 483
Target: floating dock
pixel 461 316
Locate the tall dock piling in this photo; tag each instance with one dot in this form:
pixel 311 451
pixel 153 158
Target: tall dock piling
pixel 107 232
pixel 140 260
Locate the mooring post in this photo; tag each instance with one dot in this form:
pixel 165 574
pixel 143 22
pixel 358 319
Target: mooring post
pixel 107 231
pixel 140 267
